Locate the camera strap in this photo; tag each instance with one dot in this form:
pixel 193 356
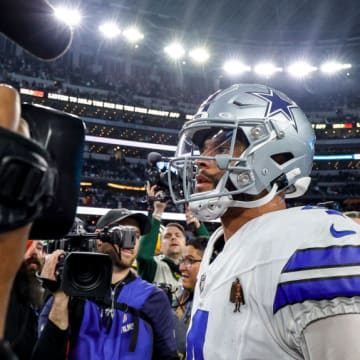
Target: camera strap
pixel 27 182
pixel 136 315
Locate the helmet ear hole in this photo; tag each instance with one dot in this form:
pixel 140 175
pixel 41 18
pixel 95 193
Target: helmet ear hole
pixel 282 158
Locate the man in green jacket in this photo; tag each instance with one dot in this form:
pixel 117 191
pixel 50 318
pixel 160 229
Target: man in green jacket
pixel 164 268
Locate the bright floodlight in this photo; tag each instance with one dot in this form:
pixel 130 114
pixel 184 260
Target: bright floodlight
pixel 332 67
pixel 109 30
pixel 175 51
pixel 69 16
pixel 133 35
pixel 267 69
pixel 301 69
pixel 199 55
pixel 235 67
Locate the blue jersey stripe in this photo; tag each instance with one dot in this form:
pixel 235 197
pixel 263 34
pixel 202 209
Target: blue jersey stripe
pixel 196 336
pixel 323 257
pixel 315 289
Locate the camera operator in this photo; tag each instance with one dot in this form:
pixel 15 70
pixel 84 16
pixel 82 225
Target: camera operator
pixel 165 267
pixel 134 321
pixel 26 301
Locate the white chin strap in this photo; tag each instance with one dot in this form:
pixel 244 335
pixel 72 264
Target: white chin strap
pixel 215 208
pixel 254 203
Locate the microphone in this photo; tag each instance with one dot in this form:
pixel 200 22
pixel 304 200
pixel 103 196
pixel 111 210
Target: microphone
pixel 32 25
pixel 153 158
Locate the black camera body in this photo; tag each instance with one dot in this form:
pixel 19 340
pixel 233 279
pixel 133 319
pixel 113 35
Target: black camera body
pixel 158 177
pixel 81 270
pixel 167 288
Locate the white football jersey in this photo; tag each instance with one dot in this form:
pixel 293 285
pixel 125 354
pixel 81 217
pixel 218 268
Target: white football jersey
pixel 295 266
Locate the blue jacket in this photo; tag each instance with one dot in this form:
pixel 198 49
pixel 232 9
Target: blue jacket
pixel 107 333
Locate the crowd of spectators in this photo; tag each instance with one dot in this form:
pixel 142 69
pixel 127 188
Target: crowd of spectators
pixel 140 89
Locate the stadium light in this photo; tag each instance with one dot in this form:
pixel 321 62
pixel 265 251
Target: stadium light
pixel 235 67
pixel 301 69
pixel 332 67
pixel 69 16
pixel 109 29
pixel 132 34
pixel 175 51
pixel 267 69
pixel 199 55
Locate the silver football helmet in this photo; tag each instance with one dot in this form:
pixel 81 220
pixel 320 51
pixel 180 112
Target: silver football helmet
pixel 260 140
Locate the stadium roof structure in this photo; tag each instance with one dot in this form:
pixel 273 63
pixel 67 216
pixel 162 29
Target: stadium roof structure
pixel 255 20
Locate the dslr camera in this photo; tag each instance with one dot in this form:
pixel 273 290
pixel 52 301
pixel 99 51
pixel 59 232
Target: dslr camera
pixel 157 173
pixel 82 271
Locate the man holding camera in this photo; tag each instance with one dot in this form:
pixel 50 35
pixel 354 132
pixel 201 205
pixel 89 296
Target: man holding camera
pixel 165 267
pixel 26 300
pixel 134 322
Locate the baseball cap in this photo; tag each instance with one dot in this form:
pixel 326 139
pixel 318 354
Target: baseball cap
pixel 32 25
pixel 115 215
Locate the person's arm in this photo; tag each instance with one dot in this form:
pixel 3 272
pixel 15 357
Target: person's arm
pixel 54 330
pixel 158 311
pixel 12 243
pixel 145 257
pixel 198 228
pixel 332 338
pixel 202 230
pixel 52 343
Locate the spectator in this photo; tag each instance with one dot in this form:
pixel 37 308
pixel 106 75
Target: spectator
pixel 355 215
pixel 26 301
pixel 165 267
pixel 189 267
pixel 134 322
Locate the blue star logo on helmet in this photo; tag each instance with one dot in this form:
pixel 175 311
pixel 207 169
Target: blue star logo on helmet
pixel 276 105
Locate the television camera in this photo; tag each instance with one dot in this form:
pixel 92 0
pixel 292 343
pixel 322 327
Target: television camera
pixel 82 271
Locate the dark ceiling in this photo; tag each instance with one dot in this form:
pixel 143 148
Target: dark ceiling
pixel 250 20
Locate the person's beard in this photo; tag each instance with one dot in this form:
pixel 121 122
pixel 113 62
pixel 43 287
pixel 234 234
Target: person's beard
pixel 33 264
pixel 28 286
pixel 109 249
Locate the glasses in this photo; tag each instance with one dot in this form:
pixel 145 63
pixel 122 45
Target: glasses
pixel 188 262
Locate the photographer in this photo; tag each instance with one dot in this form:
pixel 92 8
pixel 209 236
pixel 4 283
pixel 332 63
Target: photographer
pixel 134 321
pixel 165 267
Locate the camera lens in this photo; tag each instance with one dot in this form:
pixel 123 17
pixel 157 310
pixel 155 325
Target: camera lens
pixel 87 274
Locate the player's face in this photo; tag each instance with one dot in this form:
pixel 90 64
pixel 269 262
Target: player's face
pixel 208 172
pixel 189 267
pixel 172 242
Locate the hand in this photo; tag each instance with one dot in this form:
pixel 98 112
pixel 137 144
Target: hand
pixel 190 218
pixel 49 268
pixel 159 206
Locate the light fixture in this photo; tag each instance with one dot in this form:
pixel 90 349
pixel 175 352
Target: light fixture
pixel 199 55
pixel 266 69
pixel 132 34
pixel 175 51
pixel 235 67
pixel 109 29
pixel 301 69
pixel 70 16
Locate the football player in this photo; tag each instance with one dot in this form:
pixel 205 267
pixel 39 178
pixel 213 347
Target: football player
pixel 247 149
